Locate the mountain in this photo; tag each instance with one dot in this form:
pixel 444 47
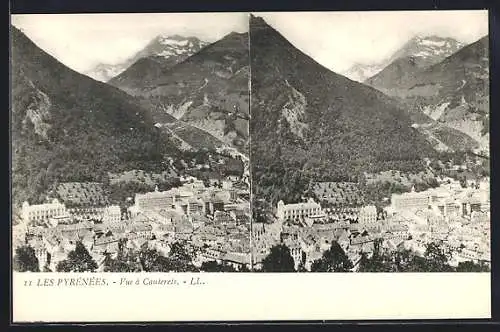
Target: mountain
pixel 167 50
pixel 429 48
pixel 453 93
pixel 360 72
pixel 103 72
pixel 418 52
pixel 207 91
pixel 416 55
pixel 68 127
pixel 311 124
pixel 397 71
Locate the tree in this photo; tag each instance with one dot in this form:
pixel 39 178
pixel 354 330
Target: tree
pixel 244 268
pixel 378 262
pixel 178 260
pixel 333 260
pixel 213 266
pixel 148 259
pixel 279 260
pixel 470 266
pixel 25 260
pixel 463 181
pixel 78 260
pixel 402 261
pixel 302 268
pixel 363 263
pixel 436 258
pixel 124 262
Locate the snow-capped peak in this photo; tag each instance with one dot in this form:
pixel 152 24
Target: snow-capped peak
pixel 360 72
pixel 431 48
pixel 169 41
pixel 167 46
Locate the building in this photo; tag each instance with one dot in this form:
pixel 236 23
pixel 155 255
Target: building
pixel 368 214
pixel 298 211
pixel 195 206
pixel 296 252
pixel 224 218
pixel 40 252
pixel 91 212
pixel 140 230
pixel 155 201
pixel 452 208
pixel 411 201
pixel 60 220
pixel 43 212
pixel 112 214
pixel 238 261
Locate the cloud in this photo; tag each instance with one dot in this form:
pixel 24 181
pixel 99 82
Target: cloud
pixel 81 41
pixel 337 40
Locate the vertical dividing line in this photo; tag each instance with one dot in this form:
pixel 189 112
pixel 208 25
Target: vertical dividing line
pixel 250 142
pixel 11 196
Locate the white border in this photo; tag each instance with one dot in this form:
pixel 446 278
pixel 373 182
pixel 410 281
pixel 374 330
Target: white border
pixel 255 296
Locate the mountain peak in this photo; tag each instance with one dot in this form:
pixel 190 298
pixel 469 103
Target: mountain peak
pixel 257 22
pixel 432 38
pixel 234 33
pixel 173 48
pixel 423 49
pixel 431 47
pixel 176 37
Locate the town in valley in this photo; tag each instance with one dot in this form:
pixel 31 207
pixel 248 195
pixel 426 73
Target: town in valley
pixel 209 221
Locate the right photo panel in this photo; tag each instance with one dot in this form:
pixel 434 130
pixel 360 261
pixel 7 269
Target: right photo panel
pixel 369 141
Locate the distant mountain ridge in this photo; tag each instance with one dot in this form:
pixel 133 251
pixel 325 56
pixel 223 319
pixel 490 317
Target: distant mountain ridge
pixel 360 72
pixel 169 49
pixel 453 93
pixel 416 55
pixel 421 50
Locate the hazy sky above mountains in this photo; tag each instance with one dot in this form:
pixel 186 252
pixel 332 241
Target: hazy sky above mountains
pixel 337 40
pixel 82 41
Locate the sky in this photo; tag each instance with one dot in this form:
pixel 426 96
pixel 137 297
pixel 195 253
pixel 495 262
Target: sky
pixel 81 41
pixel 338 40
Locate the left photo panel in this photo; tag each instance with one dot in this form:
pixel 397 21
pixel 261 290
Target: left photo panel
pixel 129 143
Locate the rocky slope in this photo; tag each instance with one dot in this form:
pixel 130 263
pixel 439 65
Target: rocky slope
pixel 454 92
pixel 208 90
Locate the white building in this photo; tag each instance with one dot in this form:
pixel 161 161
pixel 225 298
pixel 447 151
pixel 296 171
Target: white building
pixel 154 201
pixel 298 210
pixel 42 212
pixel 368 214
pixel 112 213
pixel 410 201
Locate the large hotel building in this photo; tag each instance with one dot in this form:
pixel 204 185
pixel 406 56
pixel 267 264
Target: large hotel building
pixel 298 210
pixel 43 212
